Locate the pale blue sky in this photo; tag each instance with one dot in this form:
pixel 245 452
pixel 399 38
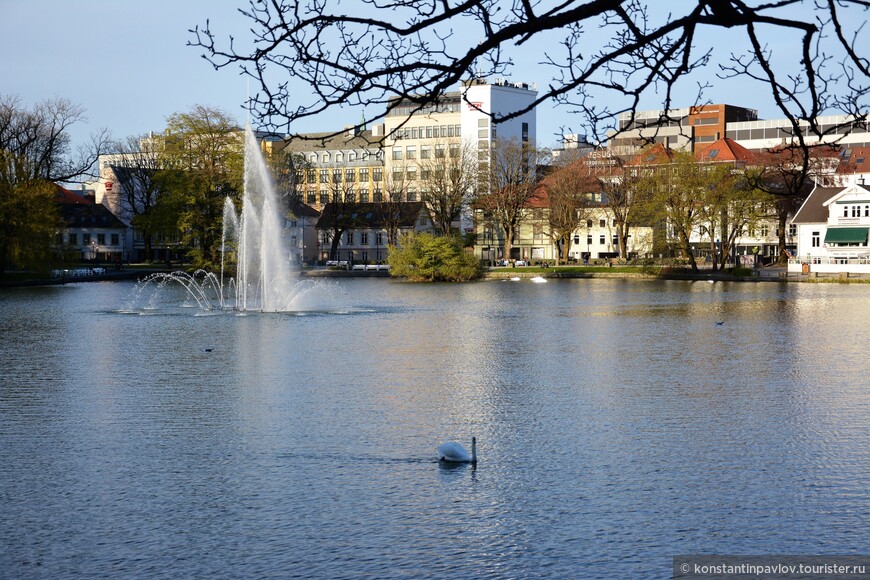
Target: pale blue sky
pixel 127 63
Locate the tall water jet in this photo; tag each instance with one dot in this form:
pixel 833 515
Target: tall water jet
pixel 264 280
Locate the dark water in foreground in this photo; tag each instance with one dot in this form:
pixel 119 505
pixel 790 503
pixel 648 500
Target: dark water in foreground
pixel 617 424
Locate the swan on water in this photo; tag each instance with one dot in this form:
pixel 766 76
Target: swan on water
pixel 539 280
pixel 455 453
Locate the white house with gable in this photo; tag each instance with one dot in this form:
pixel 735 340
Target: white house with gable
pixel 832 229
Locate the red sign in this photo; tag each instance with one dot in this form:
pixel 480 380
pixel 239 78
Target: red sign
pixel 109 186
pixel 475 105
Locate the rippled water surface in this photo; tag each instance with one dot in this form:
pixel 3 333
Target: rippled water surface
pixel 617 425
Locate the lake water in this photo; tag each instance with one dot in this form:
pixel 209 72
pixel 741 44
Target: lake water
pixel 617 425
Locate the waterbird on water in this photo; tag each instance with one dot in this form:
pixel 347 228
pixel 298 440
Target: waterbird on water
pixel 455 453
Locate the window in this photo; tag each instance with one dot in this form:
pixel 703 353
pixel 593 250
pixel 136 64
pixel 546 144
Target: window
pixel 73 239
pixel 350 195
pixel 364 238
pixel 411 151
pixel 378 174
pixel 845 211
pixel 765 230
pixel 364 195
pixel 312 196
pixel 336 175
pixel 602 239
pixel 348 236
pixel 115 239
pixel 615 241
pixel 339 157
pixel 325 158
pixel 364 174
pixel 379 238
pixel 101 239
pixel 588 224
pixel 411 173
pixel 602 223
pixel 792 229
pixel 412 195
pixel 378 195
pixel 425 152
pixel 525 135
pixel 415 132
pixel 856 211
pixel 324 197
pixel 312 176
pixel 482 133
pixel 428 132
pixel 454 150
pixel 588 239
pixel 324 175
pixel 397 153
pixel 439 151
pixel 398 174
pixel 576 240
pixel 86 239
pixel 816 239
pixel 349 175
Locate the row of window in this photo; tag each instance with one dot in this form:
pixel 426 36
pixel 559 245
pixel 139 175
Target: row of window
pixel 350 237
pixel 348 175
pixel 430 132
pixel 440 150
pixel 361 195
pixel 855 210
pixel 99 239
pixel 339 156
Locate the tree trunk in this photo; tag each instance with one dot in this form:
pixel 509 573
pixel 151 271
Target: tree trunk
pixel 782 218
pixel 506 249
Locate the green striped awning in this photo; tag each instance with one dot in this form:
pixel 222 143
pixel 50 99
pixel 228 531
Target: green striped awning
pixel 846 236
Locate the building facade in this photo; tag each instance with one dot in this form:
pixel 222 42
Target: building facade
pixel 832 231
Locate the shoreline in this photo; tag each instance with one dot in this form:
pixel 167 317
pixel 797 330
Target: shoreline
pixel 774 275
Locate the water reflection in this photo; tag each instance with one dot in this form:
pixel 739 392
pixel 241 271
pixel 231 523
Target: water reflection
pixel 617 423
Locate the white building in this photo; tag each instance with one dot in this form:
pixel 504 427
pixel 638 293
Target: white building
pixel 461 123
pixel 832 231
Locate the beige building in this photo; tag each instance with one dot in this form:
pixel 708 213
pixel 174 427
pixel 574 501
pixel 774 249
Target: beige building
pixel 348 167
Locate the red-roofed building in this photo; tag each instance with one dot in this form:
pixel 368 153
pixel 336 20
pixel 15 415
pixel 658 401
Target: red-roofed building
pixel 594 239
pixel 91 232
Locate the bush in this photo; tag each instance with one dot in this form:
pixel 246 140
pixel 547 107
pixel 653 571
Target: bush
pixel 741 272
pixel 428 258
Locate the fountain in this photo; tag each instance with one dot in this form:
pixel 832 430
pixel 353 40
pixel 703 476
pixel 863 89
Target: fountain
pixel 264 279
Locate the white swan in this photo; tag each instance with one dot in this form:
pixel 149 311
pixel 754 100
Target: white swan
pixel 455 453
pixel 539 280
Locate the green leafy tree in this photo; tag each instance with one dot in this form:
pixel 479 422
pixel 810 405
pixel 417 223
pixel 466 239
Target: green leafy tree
pixel 35 153
pixel 204 153
pixel 425 257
